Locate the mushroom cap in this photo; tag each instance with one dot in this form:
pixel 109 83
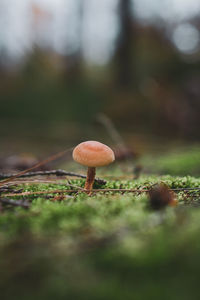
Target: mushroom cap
pixel 93 154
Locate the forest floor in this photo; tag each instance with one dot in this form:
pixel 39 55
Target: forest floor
pixel 121 242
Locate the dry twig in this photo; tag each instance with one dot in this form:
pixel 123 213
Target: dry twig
pixel 47 173
pixel 51 158
pixel 96 191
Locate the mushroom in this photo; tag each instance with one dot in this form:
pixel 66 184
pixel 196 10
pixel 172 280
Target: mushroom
pixel 92 154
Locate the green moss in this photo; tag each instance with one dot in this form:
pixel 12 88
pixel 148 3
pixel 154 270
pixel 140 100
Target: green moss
pixel 182 162
pixel 107 246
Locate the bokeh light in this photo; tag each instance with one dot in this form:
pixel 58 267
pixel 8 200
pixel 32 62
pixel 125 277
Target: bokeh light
pixel 186 38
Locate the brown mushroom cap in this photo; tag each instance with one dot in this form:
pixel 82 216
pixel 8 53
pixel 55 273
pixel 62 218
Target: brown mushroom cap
pixel 93 154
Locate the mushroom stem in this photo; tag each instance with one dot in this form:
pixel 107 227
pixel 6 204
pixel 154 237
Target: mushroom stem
pixel 90 179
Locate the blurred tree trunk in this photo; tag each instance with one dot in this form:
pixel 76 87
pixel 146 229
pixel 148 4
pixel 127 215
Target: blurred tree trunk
pixel 124 51
pixel 73 62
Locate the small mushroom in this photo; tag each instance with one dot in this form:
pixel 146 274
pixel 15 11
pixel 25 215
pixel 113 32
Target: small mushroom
pixel 92 154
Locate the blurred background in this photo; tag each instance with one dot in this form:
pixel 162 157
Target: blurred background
pixel 73 70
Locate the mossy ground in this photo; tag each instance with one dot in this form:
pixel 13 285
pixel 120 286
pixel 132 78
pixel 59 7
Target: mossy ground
pixel 107 246
pixel 175 162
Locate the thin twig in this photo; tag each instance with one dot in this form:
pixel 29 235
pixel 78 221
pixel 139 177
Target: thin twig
pixel 47 173
pixel 8 188
pixel 96 191
pixel 43 162
pixel 43 192
pixel 4 190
